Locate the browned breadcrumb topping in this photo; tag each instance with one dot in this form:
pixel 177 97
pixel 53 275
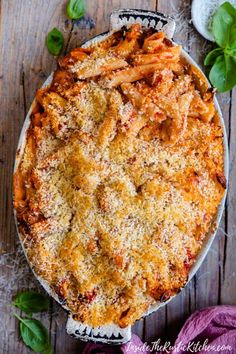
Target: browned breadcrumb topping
pixel 121 176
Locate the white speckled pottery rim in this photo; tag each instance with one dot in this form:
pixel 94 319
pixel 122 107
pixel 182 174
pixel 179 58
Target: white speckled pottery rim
pixel 113 334
pixel 202 12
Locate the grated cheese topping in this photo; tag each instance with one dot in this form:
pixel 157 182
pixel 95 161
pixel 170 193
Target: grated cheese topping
pixel 118 186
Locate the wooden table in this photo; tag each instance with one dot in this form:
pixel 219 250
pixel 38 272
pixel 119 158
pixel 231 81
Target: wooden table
pixel 25 63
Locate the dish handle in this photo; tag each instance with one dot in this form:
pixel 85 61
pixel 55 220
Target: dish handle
pixel 110 334
pixel 157 20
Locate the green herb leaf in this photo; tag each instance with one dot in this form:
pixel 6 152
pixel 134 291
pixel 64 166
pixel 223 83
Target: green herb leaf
pixel 31 302
pixel 48 350
pixel 55 41
pixel 211 56
pixel 222 74
pixel 223 58
pixel 75 9
pixel 34 334
pixel 223 22
pixel 232 36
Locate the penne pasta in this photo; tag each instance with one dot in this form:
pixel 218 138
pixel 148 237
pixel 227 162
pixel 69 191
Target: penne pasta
pixel 133 95
pixel 180 86
pixel 184 102
pixel 142 103
pixel 129 44
pixel 107 129
pixel 77 54
pixel 174 127
pixel 210 112
pixel 136 125
pixel 172 54
pixel 197 106
pixel 98 67
pixel 112 40
pixel 150 131
pixel 62 80
pixel 134 32
pixel 161 81
pixel 121 176
pixel 135 73
pixel 153 42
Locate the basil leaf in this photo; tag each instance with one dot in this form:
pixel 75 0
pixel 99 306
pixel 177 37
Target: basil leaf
pixel 231 52
pixel 222 74
pixel 34 334
pixel 48 350
pixel 211 56
pixel 31 302
pixel 223 20
pixel 232 37
pixel 55 41
pixel 75 9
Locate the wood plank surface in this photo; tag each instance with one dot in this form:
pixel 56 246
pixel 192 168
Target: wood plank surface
pixel 25 63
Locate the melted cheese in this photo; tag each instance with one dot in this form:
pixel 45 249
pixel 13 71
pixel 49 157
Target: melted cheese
pixel 112 214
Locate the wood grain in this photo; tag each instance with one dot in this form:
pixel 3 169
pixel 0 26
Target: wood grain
pixel 25 63
pixel 228 288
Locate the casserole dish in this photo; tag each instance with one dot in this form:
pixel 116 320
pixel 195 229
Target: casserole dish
pixel 113 333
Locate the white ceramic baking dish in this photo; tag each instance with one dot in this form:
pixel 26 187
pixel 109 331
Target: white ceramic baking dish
pixel 112 334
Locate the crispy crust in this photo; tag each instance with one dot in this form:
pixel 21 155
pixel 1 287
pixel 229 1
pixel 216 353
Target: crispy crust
pixel 121 176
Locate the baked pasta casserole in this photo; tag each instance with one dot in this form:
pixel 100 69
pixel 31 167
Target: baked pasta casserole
pixel 121 176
